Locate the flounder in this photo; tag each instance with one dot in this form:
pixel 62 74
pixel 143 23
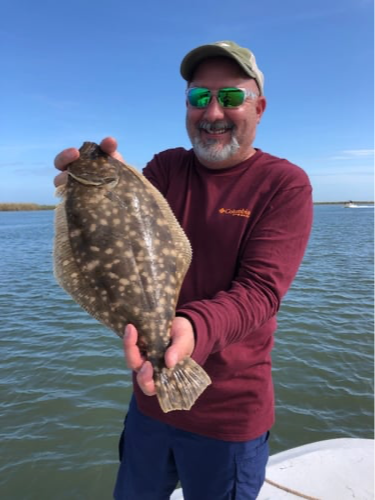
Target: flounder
pixel 120 253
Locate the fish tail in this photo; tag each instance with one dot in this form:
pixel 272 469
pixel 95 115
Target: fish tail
pixel 178 388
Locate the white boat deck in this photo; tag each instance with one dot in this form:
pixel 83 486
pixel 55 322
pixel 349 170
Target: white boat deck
pixel 336 469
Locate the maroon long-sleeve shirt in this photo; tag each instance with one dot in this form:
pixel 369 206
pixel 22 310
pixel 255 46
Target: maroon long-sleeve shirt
pixel 248 226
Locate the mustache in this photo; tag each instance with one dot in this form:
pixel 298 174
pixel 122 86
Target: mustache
pixel 216 125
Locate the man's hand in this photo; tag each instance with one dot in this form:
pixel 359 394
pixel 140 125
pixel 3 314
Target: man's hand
pixel 62 160
pixel 183 343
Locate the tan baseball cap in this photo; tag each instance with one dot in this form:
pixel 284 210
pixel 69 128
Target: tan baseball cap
pixel 244 57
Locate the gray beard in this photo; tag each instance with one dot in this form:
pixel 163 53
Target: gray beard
pixel 211 150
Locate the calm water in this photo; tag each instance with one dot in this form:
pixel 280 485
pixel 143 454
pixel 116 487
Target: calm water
pixel 64 388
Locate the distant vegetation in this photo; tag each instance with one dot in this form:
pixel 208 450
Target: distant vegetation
pixel 343 202
pixel 17 207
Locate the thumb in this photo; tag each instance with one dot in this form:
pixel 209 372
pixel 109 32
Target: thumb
pixel 183 341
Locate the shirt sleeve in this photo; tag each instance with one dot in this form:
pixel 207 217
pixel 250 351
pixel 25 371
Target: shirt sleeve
pixel 269 260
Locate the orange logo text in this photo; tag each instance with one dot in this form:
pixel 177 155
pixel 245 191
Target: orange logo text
pixel 242 212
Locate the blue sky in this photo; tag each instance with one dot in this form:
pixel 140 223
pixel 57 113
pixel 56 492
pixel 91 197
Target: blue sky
pixel 76 70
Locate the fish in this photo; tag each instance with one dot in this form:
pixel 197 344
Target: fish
pixel 121 254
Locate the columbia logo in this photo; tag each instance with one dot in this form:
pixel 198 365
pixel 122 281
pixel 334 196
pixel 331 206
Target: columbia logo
pixel 242 212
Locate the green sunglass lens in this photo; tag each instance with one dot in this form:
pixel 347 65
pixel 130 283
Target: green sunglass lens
pixel 227 97
pixel 231 98
pixel 199 98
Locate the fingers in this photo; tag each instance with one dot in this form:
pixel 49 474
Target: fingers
pixel 60 179
pixel 109 146
pixel 132 353
pixel 66 156
pixel 62 160
pixel 183 341
pixel 136 362
pixel 145 379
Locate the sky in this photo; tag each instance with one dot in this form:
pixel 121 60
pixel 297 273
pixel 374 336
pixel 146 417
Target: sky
pixel 81 70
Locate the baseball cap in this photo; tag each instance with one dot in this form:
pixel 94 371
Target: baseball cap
pixel 244 57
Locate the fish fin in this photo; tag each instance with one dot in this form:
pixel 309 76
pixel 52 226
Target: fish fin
pixel 178 388
pixel 60 191
pixel 70 277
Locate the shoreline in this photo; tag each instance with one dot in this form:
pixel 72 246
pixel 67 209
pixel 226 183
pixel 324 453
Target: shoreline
pixel 22 207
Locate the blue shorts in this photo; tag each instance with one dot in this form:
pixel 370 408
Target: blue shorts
pixel 155 456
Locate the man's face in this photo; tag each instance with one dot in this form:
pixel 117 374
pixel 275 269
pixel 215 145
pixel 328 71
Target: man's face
pixel 223 137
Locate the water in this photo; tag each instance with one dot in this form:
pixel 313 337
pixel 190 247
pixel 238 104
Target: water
pixel 64 387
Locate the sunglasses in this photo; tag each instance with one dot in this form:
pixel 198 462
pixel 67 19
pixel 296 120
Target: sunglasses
pixel 229 97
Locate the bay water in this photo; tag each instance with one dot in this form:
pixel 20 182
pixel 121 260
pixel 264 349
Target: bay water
pixel 64 386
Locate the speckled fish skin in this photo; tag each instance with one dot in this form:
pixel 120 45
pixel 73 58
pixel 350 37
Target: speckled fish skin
pixel 121 254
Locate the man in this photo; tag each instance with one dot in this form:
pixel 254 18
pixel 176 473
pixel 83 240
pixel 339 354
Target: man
pixel 248 216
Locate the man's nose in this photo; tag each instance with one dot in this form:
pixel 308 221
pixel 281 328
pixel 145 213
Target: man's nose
pixel 214 111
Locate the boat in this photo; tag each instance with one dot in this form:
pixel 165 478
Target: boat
pixel 334 469
pixel 351 204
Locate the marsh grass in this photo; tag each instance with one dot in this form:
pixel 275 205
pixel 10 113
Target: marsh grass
pixel 18 207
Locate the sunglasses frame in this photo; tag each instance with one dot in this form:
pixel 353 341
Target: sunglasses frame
pixel 247 94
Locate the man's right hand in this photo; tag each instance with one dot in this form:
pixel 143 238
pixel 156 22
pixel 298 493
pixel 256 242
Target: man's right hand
pixel 62 160
pixel 182 345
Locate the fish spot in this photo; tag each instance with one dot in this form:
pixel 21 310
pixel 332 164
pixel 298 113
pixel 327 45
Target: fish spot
pixel 92 265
